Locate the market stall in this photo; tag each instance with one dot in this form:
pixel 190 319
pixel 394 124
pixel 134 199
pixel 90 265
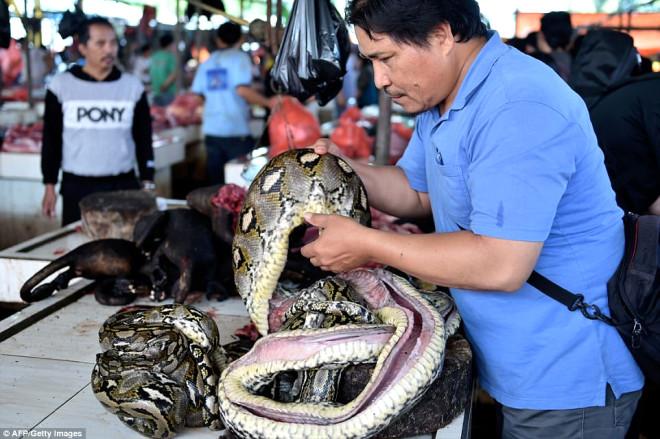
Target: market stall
pixel 78 316
pixel 21 185
pixel 278 301
pixel 52 372
pixel 71 319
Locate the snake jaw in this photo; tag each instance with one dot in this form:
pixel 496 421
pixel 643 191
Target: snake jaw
pixel 409 359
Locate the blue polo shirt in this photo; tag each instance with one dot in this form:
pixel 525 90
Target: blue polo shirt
pixel 515 157
pixel 226 114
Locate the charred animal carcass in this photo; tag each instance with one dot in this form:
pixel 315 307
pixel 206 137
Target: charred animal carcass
pixel 183 255
pixel 114 262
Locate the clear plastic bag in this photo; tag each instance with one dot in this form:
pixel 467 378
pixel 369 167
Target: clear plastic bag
pixel 312 58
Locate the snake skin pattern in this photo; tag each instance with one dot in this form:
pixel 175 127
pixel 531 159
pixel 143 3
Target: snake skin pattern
pixel 162 368
pixel 291 184
pixel 401 332
pixel 159 369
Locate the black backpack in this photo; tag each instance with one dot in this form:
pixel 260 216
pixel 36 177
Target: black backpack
pixel 605 58
pixel 633 293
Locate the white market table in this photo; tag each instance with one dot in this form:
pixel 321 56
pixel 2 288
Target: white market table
pixel 45 367
pixel 48 349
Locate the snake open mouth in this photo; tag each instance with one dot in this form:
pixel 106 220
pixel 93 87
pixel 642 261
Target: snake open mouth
pixel 399 344
pixel 301 236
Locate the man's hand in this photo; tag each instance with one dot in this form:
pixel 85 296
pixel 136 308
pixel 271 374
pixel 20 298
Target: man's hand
pixel 324 146
pixel 275 102
pixel 49 201
pixel 341 245
pixel 148 185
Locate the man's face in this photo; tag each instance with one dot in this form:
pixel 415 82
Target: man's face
pixel 100 51
pixel 417 78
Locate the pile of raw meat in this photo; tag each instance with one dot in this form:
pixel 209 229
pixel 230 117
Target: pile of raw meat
pixel 185 110
pixel 23 138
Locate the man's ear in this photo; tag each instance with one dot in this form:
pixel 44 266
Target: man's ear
pixel 443 37
pixel 82 49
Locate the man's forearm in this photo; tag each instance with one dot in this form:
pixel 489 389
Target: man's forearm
pixel 142 136
pixel 169 81
pixel 389 191
pixel 252 96
pixel 457 260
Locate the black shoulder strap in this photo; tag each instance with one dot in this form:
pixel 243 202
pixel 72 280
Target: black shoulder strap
pixel 570 300
pixel 554 291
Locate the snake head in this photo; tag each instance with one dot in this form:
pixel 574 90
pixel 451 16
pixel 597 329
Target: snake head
pixel 291 184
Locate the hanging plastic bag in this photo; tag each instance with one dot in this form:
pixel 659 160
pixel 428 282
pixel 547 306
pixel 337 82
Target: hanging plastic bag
pixel 352 139
pixel 312 58
pixel 71 23
pixel 292 126
pixel 5 34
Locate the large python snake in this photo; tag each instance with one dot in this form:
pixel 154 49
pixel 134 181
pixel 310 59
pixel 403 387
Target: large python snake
pixel 160 368
pixel 407 345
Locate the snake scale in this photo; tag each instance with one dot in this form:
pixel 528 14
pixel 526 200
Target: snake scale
pixel 363 316
pixel 159 369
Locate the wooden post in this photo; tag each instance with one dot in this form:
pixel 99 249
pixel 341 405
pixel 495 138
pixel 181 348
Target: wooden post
pixel 278 27
pixel 37 15
pixel 198 34
pixel 269 30
pixel 383 129
pixel 28 62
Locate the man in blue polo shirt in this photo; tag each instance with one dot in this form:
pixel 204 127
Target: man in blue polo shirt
pixel 505 159
pixel 224 81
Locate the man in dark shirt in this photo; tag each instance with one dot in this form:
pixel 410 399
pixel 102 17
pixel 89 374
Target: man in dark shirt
pixel 555 40
pixel 627 124
pixel 96 126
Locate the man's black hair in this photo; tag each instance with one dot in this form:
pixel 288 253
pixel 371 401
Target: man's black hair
pixel 532 41
pixel 165 40
pixel 557 29
pixel 83 35
pixel 229 33
pixel 413 21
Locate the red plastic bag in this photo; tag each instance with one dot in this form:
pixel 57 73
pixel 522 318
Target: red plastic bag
pixel 292 126
pixel 351 113
pixel 352 139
